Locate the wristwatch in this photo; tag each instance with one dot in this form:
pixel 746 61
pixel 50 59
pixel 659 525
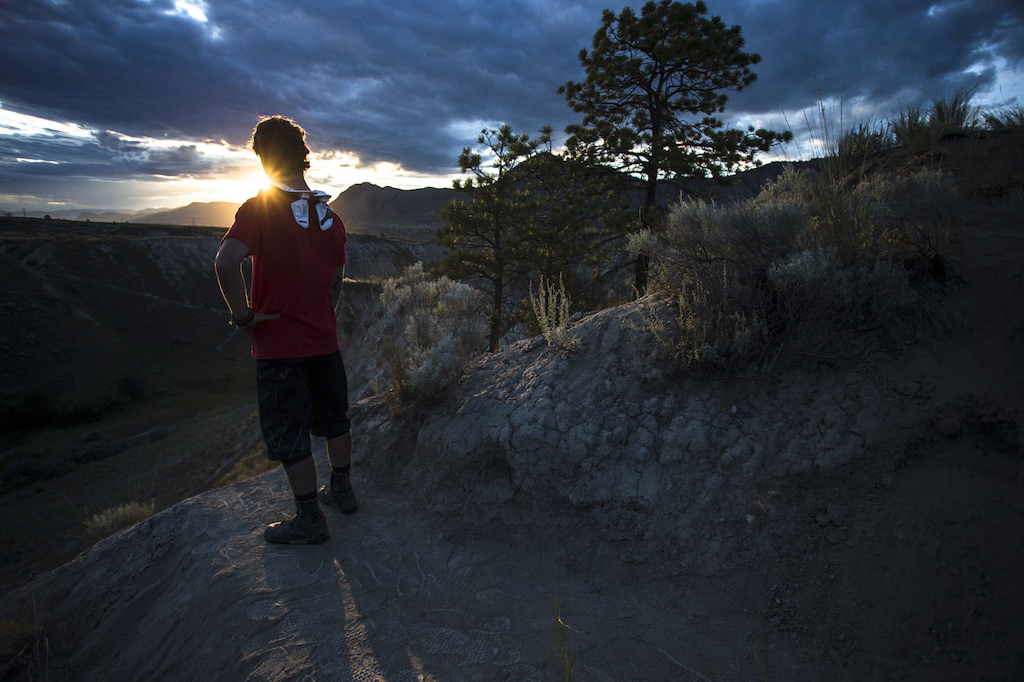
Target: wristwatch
pixel 235 322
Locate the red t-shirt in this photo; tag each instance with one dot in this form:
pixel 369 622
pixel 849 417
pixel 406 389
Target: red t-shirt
pixel 292 271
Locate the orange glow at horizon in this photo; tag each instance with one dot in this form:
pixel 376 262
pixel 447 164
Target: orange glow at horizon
pixel 332 173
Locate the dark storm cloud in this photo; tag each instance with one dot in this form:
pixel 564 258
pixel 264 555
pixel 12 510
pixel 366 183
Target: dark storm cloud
pixel 387 81
pixel 887 54
pixel 133 156
pixel 410 83
pixel 104 154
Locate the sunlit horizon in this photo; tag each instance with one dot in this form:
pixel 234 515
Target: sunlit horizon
pixel 145 189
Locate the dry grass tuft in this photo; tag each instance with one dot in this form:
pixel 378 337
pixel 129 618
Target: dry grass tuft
pixel 565 649
pixel 551 305
pixel 24 648
pixel 108 522
pixel 1007 118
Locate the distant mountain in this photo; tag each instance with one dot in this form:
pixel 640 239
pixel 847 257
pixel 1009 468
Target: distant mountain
pixel 113 216
pixel 365 208
pixel 56 215
pixel 368 209
pixel 210 214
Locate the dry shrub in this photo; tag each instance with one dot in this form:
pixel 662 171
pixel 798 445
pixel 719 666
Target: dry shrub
pixel 108 522
pixel 811 265
pixel 911 218
pixel 712 335
pixel 430 330
pixel 842 221
pixel 726 249
pixel 714 260
pixel 828 310
pixel 919 217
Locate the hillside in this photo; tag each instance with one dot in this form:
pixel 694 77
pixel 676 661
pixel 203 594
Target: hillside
pixel 101 216
pixel 112 336
pixel 369 209
pixel 86 304
pixel 365 208
pixel 843 522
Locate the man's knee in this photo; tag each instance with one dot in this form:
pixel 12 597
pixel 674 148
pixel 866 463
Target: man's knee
pixel 288 464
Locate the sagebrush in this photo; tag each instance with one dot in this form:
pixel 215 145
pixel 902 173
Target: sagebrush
pixel 429 331
pixel 812 266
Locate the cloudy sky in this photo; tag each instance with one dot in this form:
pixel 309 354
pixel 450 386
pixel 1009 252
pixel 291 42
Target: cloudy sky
pixel 149 103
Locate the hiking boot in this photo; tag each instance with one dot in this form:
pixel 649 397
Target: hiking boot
pixel 344 501
pixel 307 527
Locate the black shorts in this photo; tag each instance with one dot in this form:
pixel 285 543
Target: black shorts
pixel 300 396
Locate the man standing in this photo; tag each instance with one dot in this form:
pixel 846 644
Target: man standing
pixel 297 246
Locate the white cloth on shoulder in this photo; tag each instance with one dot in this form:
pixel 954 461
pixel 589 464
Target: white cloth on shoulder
pixel 300 206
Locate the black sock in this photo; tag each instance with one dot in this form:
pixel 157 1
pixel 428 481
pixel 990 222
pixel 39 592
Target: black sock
pixel 308 508
pixel 339 478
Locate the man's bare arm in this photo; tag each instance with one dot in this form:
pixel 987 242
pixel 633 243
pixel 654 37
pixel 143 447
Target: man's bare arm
pixel 232 285
pixel 339 278
pixel 229 276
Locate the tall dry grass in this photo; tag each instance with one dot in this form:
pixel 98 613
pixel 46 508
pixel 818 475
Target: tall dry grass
pixel 551 306
pixel 1006 118
pixel 24 646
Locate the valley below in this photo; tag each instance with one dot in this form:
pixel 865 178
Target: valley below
pixel 122 379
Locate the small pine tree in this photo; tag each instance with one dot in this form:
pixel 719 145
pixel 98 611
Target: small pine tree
pixel 485 233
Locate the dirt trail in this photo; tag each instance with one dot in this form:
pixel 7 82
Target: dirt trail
pixel 195 593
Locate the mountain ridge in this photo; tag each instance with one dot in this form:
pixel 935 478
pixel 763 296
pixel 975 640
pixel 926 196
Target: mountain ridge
pixel 207 214
pixel 367 208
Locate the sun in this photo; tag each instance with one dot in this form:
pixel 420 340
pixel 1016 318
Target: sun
pixel 238 186
pixel 259 180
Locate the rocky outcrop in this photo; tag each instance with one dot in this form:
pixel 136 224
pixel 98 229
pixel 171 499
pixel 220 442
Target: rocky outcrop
pixel 587 460
pixel 610 435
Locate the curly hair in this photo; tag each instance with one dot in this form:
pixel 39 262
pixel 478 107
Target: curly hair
pixel 281 145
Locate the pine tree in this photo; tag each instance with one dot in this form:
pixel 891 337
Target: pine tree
pixel 654 85
pixel 485 232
